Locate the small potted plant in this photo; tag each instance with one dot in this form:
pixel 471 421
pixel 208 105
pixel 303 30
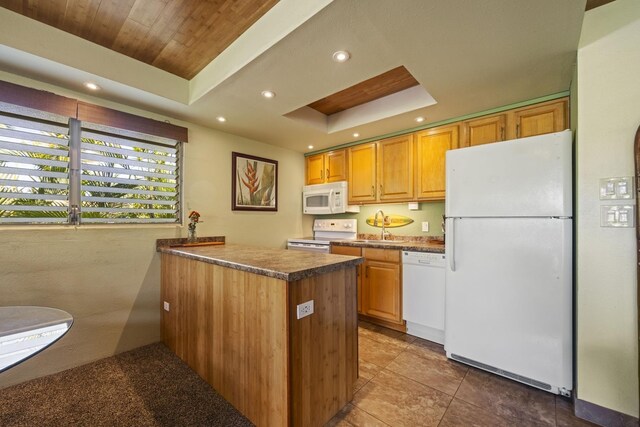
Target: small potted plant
pixel 194 219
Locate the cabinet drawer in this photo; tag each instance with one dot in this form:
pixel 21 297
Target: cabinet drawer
pixel 388 255
pixel 346 250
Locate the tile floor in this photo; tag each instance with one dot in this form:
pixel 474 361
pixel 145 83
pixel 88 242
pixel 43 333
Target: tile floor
pixel 407 381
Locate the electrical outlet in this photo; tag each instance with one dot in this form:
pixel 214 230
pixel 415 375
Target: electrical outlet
pixel 425 226
pixel 166 306
pixel 305 309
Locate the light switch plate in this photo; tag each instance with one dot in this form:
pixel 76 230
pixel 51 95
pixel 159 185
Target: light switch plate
pixel 618 216
pixel 620 188
pixel 425 226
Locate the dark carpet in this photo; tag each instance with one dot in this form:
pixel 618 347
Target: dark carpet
pixel 149 386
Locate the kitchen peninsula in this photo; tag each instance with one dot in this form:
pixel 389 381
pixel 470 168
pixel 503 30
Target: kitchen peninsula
pixel 231 313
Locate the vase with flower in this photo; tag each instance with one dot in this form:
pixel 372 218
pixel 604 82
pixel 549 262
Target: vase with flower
pixel 194 219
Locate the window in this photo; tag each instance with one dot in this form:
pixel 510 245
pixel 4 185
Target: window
pixel 122 177
pixel 128 180
pixel 64 161
pixel 34 171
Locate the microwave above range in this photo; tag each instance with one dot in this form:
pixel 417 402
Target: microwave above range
pixel 324 199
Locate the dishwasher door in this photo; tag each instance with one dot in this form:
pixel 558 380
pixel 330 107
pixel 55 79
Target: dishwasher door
pixel 423 291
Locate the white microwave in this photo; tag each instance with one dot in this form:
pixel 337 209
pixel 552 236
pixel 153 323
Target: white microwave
pixel 322 199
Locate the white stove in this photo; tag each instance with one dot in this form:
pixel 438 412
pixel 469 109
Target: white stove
pixel 325 231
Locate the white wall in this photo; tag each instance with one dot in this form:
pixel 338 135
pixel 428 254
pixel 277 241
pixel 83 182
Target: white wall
pixel 108 277
pixel 608 116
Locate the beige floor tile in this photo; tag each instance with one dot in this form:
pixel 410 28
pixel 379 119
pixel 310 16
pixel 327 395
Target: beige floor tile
pixel 419 345
pixel 352 416
pixel 463 414
pixel 360 382
pixel 382 334
pixel 507 398
pixel 429 369
pixel 367 369
pixel 399 401
pixel 377 352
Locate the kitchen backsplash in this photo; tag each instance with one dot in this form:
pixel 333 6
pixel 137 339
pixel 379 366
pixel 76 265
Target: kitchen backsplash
pixel 428 211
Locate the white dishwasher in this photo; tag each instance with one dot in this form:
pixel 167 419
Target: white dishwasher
pixel 423 294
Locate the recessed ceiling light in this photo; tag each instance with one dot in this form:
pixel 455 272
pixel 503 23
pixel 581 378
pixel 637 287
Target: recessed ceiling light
pixel 310 147
pixel 355 135
pixel 341 56
pixel 92 86
pixel 221 119
pixel 268 94
pixel 420 119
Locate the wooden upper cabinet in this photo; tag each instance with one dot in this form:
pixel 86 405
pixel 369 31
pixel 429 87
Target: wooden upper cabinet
pixel 315 169
pixel 431 147
pixel 395 168
pixel 362 173
pixel 484 130
pixel 336 166
pixel 539 119
pixel 327 167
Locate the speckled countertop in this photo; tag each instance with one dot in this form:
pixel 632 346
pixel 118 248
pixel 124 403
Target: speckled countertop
pixel 421 245
pixel 277 263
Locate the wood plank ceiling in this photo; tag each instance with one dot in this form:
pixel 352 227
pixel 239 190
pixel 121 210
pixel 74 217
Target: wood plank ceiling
pixel 178 36
pixel 592 4
pixel 369 90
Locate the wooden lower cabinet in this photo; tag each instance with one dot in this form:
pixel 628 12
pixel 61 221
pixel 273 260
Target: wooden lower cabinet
pixel 239 331
pixel 382 287
pixel 352 251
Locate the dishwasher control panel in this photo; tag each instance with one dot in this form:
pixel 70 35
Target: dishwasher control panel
pixel 423 258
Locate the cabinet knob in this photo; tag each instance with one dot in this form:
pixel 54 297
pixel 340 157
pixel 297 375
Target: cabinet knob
pixel 328 173
pixel 373 191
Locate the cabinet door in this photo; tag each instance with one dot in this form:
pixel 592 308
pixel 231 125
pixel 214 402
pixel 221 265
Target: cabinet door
pixel 350 250
pixel 315 169
pixel 395 168
pixel 431 147
pixel 362 173
pixel 540 119
pixel 484 130
pixel 382 291
pixel 336 165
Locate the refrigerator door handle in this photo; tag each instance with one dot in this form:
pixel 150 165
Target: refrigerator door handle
pixel 452 252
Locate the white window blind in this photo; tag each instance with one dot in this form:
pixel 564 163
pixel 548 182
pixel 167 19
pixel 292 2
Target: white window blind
pixel 34 170
pixel 128 180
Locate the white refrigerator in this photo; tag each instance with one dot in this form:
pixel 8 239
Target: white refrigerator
pixel 509 259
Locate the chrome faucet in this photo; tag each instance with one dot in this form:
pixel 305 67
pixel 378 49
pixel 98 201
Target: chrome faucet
pixel 375 223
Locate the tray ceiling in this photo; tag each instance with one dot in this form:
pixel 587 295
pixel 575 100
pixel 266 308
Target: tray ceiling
pixel 466 56
pixel 377 87
pixel 178 36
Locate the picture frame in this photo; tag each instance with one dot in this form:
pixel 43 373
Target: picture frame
pixel 254 183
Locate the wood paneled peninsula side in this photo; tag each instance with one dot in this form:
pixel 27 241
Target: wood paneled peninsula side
pixel 233 319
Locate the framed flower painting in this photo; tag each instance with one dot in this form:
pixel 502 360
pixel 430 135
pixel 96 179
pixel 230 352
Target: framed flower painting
pixel 254 183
